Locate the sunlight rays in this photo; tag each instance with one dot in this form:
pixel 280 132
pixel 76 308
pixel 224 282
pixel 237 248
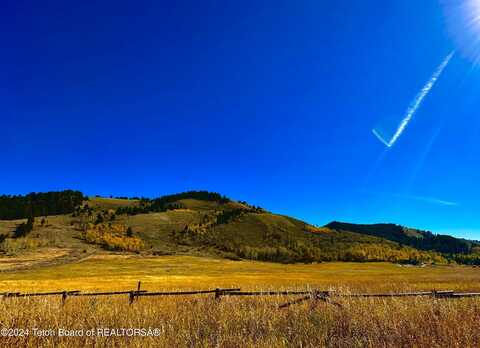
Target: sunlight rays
pixel 463 22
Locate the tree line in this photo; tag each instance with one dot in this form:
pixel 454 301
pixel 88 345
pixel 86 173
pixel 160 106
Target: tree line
pixel 421 240
pixel 39 204
pixel 170 202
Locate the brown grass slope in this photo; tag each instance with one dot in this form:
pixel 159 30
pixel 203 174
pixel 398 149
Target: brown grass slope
pixel 206 228
pixel 237 230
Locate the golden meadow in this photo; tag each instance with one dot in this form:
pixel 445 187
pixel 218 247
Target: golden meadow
pixel 202 321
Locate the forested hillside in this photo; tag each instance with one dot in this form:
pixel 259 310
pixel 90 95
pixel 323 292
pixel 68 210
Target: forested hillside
pixel 208 223
pixel 422 240
pixel 39 204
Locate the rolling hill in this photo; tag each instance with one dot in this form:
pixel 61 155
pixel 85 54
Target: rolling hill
pixel 203 223
pixel 423 240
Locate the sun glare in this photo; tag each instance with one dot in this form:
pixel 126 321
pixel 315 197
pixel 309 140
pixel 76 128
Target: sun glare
pixel 473 15
pixel 463 19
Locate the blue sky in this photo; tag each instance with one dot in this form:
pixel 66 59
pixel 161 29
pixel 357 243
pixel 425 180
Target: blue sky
pixel 272 102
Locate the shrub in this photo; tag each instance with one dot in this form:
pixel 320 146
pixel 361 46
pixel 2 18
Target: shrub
pixel 113 237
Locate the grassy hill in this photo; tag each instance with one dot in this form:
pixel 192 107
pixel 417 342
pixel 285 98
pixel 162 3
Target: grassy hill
pixel 202 223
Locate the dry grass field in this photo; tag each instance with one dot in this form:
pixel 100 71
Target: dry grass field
pixel 241 322
pixel 202 321
pixel 121 272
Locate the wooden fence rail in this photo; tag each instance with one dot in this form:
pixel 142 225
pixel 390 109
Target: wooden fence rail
pixel 465 294
pixel 17 294
pixel 178 293
pixel 110 293
pixel 402 294
pixel 265 293
pixel 309 295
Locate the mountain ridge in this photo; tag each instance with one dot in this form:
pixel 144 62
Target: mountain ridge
pixel 420 239
pixel 207 223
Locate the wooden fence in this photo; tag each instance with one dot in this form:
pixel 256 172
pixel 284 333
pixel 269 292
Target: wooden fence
pixel 312 295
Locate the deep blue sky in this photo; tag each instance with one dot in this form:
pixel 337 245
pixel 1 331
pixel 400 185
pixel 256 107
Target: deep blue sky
pixel 272 102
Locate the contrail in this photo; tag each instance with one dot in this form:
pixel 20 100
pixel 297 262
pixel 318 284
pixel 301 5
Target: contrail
pixel 428 199
pixel 415 104
pixel 374 131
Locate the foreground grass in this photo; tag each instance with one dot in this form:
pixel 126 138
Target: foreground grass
pixel 119 272
pixel 201 321
pixel 247 322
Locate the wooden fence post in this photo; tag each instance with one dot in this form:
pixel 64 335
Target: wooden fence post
pixel 132 296
pixel 218 294
pixel 64 297
pixel 314 299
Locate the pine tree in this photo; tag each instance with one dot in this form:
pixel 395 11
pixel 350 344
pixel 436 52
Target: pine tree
pixel 99 219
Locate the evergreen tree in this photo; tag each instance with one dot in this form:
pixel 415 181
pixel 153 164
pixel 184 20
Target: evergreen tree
pixel 99 219
pixel 39 204
pixel 24 228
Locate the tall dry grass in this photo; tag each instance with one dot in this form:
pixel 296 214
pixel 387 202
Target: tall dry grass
pixel 247 322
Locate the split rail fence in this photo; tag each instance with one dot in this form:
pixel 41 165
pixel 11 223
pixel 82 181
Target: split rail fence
pixel 308 295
